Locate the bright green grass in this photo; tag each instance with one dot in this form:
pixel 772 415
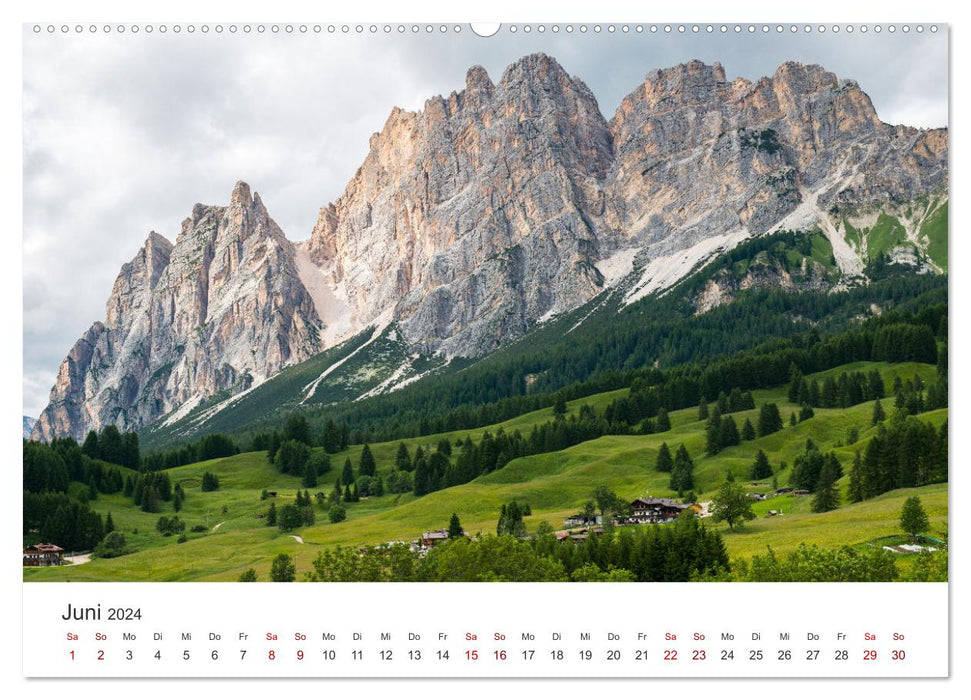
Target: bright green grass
pixel 385 452
pixel 935 229
pixel 853 235
pixel 885 234
pixel 822 250
pixel 850 524
pixel 554 485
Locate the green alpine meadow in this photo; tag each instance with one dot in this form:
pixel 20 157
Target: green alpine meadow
pixel 704 338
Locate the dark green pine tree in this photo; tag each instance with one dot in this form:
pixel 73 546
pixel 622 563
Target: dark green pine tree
pixel 347 475
pixel 761 469
pixel 130 454
pixel 878 413
pixel 559 405
pixel 703 409
pixel 273 446
pixel 402 460
pixel 423 476
pixel 803 396
pixel 855 491
pixel 814 393
pixel 748 430
pixel 455 527
pixel 271 515
pixel 109 524
pixel 367 466
pixel 331 440
pixel 728 432
pixel 296 428
pixel 770 421
pixel 110 445
pixel 795 386
pixel 662 423
pixel 713 432
pixel 792 419
pixel 806 412
pixel 90 446
pixel 682 473
pixel 664 461
pixel 875 389
pixel 309 474
pixel 736 400
pixel 913 518
pixel 828 396
pixel 827 497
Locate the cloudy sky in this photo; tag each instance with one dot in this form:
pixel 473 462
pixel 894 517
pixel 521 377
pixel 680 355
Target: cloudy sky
pixel 124 133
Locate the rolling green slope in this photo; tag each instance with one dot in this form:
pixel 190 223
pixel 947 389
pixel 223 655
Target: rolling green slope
pixel 341 374
pixel 555 485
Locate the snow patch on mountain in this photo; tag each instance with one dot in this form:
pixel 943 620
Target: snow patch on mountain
pixel 664 271
pixel 393 381
pixel 617 266
pixel 213 410
pixel 334 312
pixel 182 411
pixel 380 323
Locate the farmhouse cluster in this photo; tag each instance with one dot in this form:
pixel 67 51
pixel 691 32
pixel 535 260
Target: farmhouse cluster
pixel 642 511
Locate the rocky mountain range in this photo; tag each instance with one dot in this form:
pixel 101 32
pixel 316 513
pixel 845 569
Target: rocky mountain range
pixel 220 309
pixel 493 209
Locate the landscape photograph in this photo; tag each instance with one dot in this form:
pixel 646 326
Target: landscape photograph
pixel 402 305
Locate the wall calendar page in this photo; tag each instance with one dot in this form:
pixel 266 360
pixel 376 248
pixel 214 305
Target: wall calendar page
pixel 449 350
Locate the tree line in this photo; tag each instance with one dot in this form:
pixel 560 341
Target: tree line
pixel 67 522
pixel 604 354
pixel 674 552
pixel 905 452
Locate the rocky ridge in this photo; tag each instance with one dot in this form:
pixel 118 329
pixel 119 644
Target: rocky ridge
pixel 219 310
pixel 489 210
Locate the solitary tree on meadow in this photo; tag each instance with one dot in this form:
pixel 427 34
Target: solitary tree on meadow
pixel 913 517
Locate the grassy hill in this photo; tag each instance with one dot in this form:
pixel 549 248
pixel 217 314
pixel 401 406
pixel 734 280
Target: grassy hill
pixel 555 485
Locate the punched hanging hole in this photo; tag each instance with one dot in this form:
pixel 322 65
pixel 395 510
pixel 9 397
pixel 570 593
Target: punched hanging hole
pixel 485 29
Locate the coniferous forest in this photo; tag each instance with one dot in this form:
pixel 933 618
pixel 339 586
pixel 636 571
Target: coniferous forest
pixel 766 378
